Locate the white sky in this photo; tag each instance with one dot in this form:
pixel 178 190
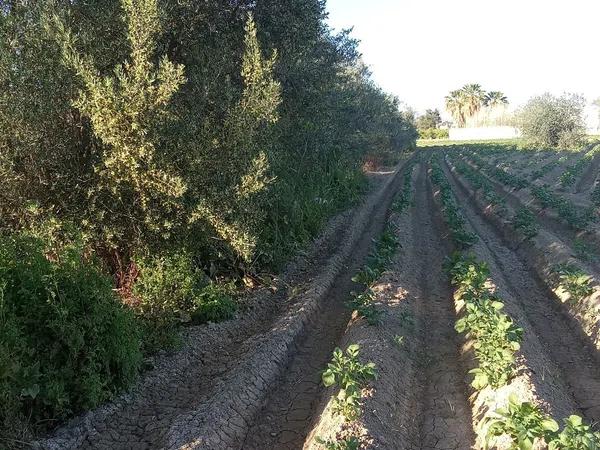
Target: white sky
pixel 422 49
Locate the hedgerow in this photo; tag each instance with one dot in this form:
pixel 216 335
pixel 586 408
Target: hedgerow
pixel 185 140
pixel 66 341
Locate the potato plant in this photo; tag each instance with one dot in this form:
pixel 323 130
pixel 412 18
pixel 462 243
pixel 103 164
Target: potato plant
pixel 402 200
pixel 378 260
pixel 496 337
pixel 450 209
pixel 525 222
pixel 575 281
pixel 527 425
pixel 346 371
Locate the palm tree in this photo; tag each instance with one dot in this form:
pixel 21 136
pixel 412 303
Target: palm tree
pixel 455 106
pixel 495 98
pixel 473 98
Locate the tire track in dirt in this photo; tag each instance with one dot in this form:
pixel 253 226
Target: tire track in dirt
pixel 446 415
pixel 288 415
pixel 570 353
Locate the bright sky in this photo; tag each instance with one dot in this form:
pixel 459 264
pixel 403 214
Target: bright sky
pixel 422 49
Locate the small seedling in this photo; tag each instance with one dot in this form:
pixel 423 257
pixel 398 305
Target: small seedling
pixel 399 341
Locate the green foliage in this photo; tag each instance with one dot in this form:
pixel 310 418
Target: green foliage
pixel 125 110
pixel 170 288
pixel 182 143
pixel 240 161
pixel 66 343
pixel 577 217
pixel 347 443
pixel 496 338
pixel 525 222
pixel 465 102
pixel 450 209
pixel 402 199
pixel 556 122
pixel 377 261
pixel 347 372
pixel 546 168
pixel 595 195
pixel 573 172
pixel 523 422
pixel 480 182
pixel 429 121
pixel 575 435
pixel 526 424
pixel 433 133
pixel 399 341
pixel 575 281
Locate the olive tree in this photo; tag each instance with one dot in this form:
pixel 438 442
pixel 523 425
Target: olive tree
pixel 551 121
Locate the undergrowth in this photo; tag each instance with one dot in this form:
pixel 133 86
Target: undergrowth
pixel 66 342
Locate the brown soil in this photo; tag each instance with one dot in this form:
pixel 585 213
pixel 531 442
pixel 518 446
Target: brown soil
pixel 284 421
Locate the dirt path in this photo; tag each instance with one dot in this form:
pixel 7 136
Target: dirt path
pixel 563 343
pixel 446 415
pixel 288 414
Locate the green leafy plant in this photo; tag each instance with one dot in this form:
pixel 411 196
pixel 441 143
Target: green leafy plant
pixel 575 435
pixel 495 336
pixel 363 304
pixel 66 341
pixel 347 443
pixel 399 341
pixel 377 261
pixel 575 281
pixel 525 222
pixel 346 371
pixel 450 209
pixel 523 422
pixel 526 424
pixel 402 199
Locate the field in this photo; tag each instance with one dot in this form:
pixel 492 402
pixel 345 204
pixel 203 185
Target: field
pixel 462 295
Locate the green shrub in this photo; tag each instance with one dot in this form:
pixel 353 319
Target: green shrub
pixel 551 121
pixel 66 343
pixel 171 289
pixel 433 133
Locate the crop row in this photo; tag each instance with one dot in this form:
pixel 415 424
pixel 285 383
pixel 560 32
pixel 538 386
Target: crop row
pixel 450 209
pixel 567 277
pixel 577 217
pixel 496 340
pixel 572 173
pixel 524 219
pixel 495 337
pixel 345 369
pixel 479 182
